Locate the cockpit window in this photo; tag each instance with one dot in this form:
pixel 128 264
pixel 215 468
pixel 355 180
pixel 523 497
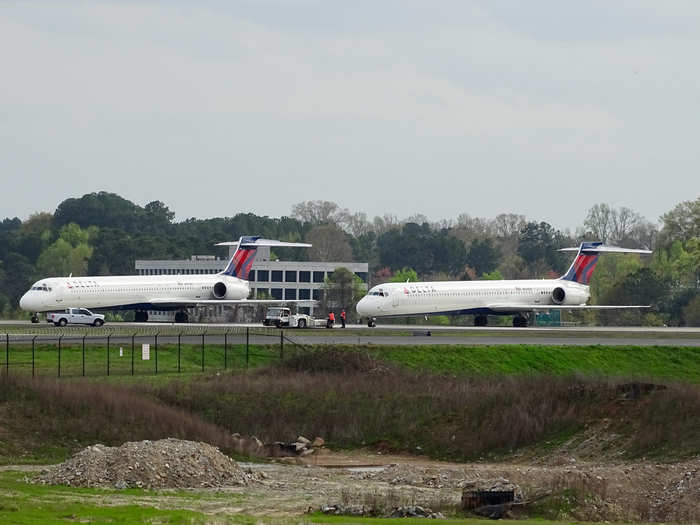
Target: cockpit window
pixel 41 288
pixel 379 292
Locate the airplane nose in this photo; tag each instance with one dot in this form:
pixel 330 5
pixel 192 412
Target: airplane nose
pixel 362 307
pixel 24 302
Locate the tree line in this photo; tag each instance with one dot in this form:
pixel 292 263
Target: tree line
pixel 103 234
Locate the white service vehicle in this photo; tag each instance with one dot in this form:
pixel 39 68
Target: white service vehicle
pixel 281 317
pixel 75 316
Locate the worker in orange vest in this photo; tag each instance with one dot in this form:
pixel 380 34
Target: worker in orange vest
pixel 331 320
pixel 342 317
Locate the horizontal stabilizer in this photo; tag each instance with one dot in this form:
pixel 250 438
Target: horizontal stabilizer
pixel 603 249
pixel 265 242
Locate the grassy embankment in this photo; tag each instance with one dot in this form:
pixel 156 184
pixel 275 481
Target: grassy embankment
pixel 473 402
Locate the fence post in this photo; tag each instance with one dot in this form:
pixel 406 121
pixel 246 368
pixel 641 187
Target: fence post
pixel 156 351
pixel 281 345
pixel 7 354
pixel 226 348
pixel 108 336
pixel 33 346
pixel 59 355
pixel 179 335
pixel 132 353
pixel 84 355
pixel 203 334
pixel 247 345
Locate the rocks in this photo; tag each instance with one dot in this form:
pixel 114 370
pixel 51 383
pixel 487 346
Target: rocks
pixel 415 511
pixel 301 447
pixel 167 463
pixel 408 511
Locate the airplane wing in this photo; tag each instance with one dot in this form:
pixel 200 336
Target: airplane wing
pixel 502 307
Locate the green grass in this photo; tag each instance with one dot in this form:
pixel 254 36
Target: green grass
pixel 25 503
pixel 662 362
pixel 191 358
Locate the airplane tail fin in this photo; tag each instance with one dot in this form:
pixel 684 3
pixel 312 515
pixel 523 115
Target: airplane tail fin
pixel 242 260
pixel 582 268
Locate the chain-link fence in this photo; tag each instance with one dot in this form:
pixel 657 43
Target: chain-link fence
pixel 86 352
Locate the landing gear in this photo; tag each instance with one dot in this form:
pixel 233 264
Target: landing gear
pixel 480 320
pixel 141 316
pixel 35 318
pixel 519 321
pixel 181 317
pixel 371 322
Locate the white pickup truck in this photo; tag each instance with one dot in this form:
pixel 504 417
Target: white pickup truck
pixel 281 317
pixel 75 316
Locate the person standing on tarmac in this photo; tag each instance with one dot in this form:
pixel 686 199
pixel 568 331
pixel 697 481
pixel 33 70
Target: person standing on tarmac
pixel 342 317
pixel 331 320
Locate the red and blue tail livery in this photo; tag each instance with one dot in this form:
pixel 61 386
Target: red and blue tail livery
pixel 242 261
pixel 584 264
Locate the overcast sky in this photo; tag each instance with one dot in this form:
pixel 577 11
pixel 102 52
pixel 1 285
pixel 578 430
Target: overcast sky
pixel 542 108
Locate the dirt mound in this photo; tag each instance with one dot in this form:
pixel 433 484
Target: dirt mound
pixel 167 463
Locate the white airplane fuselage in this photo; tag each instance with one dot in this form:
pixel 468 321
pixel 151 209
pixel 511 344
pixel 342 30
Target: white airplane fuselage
pixel 131 292
pixel 469 297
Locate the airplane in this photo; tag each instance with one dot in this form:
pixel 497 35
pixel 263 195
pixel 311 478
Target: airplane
pixel 154 292
pixel 483 298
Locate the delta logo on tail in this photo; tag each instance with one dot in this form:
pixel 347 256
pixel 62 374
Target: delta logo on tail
pixel 582 268
pixel 242 261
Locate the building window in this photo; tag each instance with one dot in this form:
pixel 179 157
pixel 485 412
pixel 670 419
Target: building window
pixel 276 276
pixel 318 295
pixel 304 293
pixel 318 277
pixel 362 275
pixel 251 276
pixel 304 277
pixel 290 276
pixel 276 293
pixel 290 293
pixel 263 276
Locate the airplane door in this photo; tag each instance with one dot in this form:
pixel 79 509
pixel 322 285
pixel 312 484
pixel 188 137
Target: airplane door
pixel 395 299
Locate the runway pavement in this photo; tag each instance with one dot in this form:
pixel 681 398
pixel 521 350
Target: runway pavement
pixel 381 335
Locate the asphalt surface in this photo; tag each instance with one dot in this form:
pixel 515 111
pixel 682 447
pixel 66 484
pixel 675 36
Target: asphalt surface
pixel 381 335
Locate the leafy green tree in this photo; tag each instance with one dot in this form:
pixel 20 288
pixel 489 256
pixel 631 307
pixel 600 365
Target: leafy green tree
pixel 329 243
pixel 691 312
pixel 343 289
pixel 540 242
pixel 641 287
pixel 68 255
pixel 422 249
pixel 482 256
pixel 103 209
pixel 403 275
pixel 18 277
pixel 682 223
pixel 493 276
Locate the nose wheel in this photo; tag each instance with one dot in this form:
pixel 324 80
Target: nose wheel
pixel 371 322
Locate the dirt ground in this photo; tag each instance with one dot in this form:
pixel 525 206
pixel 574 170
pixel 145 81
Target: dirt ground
pixel 630 491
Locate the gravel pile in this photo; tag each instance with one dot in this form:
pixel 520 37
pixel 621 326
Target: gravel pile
pixel 167 463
